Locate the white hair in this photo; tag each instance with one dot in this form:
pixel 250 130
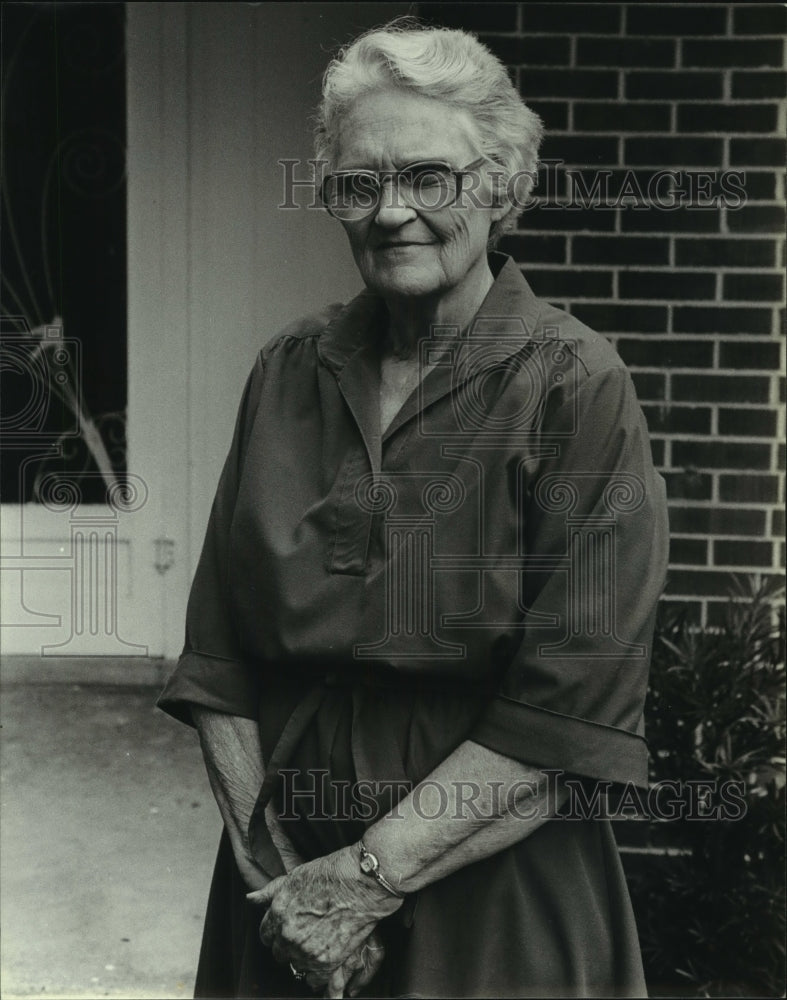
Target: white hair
pixel 446 65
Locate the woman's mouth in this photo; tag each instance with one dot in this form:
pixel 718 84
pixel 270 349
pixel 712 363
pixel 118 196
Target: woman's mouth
pixel 401 245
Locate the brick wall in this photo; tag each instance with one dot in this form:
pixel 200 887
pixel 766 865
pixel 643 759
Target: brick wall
pixel 691 296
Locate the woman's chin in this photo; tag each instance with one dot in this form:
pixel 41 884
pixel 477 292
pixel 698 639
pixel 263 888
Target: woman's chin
pixel 405 282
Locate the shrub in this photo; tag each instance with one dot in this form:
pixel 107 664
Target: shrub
pixel 711 919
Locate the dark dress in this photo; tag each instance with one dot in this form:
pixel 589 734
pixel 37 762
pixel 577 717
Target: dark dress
pixel 487 569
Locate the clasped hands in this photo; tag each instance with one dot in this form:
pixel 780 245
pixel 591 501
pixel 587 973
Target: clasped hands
pixel 321 918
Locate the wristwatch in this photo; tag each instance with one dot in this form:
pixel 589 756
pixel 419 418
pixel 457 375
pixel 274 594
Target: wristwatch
pixel 371 866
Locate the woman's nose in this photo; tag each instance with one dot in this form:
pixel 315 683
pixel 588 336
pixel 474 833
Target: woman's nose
pixel 392 210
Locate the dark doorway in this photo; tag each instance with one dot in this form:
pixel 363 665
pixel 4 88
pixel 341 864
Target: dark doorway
pixel 63 248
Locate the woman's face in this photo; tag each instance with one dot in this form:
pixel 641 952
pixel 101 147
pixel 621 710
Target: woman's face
pixel 404 251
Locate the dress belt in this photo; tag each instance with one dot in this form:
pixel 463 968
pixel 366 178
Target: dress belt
pixel 262 847
pixel 375 750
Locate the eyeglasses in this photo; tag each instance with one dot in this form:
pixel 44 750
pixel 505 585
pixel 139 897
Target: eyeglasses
pixel 351 195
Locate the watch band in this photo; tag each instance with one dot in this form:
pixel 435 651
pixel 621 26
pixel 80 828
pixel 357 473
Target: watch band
pixel 371 866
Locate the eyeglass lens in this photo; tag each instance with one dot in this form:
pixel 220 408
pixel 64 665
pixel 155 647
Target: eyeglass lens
pixel 354 194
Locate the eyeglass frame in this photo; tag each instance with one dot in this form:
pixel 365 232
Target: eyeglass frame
pixel 378 175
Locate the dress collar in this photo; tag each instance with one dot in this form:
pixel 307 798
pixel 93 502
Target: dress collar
pixel 348 346
pixel 358 325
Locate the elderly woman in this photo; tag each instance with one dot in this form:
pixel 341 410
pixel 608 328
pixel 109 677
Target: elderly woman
pixel 420 624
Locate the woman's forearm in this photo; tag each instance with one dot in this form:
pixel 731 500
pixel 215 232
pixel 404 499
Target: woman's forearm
pixel 234 762
pixel 475 803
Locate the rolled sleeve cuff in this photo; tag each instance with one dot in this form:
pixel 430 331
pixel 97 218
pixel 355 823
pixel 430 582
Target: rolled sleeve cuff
pixel 543 738
pixel 213 682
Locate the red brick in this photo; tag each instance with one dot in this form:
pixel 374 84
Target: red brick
pixel 667 351
pixel 669 419
pixel 777 523
pixel 724 252
pixel 677 151
pixel 756 287
pixel 569 283
pixel 747 423
pixel 726 553
pixel 568 83
pixel 716 521
pixel 764 354
pixel 613 317
pixel 698 583
pixel 515 50
pixel 598 116
pixel 721 389
pixel 535 249
pixel 649 385
pixel 760 185
pixel 610 187
pixel 722 319
pixel 684 86
pixel 593 18
pixel 688 551
pixel 759 152
pixel 701 188
pixel 759 83
pixel 619 250
pixel 626 52
pixel 733 52
pixel 676 19
pixel 727 118
pixel 688 484
pixel 720 454
pixel 670 285
pixel 566 217
pixel 471 16
pixel 581 150
pixel 757 219
pixel 760 19
pixel 749 489
pixel 554 114
pixel 689 219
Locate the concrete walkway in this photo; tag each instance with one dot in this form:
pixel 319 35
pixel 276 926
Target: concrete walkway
pixel 108 835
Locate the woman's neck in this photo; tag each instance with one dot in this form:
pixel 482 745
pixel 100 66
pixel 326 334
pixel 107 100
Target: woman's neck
pixel 413 318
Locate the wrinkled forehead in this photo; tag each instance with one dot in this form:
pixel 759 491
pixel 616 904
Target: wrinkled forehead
pixel 388 129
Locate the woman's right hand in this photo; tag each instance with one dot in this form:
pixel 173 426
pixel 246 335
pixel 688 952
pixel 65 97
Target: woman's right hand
pixel 357 971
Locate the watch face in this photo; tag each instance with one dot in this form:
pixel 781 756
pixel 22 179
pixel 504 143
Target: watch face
pixel 368 864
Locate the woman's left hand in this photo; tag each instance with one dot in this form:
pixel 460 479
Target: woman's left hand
pixel 321 913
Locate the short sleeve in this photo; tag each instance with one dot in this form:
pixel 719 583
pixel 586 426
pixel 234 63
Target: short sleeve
pixel 211 670
pixel 596 540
